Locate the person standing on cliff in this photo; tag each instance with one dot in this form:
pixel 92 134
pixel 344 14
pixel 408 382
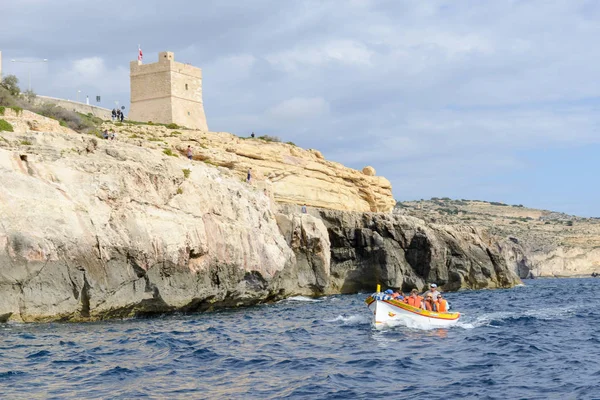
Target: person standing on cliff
pixel 122 116
pixel 113 114
pixel 249 176
pixel 189 153
pixel 303 209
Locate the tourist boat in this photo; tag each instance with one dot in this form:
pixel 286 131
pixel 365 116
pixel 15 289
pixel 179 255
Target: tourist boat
pixel 389 312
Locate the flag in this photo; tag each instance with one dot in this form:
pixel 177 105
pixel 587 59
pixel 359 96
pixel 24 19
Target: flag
pixel 140 55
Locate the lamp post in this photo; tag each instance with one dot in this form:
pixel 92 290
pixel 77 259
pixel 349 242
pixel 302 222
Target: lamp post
pixel 29 68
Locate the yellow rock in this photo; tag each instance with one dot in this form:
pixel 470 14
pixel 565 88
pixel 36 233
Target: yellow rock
pixel 289 173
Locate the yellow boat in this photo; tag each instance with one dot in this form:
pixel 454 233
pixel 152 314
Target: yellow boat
pixel 388 312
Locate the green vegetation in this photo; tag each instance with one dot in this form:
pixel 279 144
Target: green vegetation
pixel 291 143
pixel 268 138
pixel 179 190
pixel 11 84
pixel 175 133
pixel 26 143
pixel 5 126
pixel 449 211
pixel 172 126
pixel 154 139
pixel 186 173
pixel 169 152
pixel 17 110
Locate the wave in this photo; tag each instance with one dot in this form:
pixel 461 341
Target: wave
pixel 304 298
pixel 545 314
pixel 358 319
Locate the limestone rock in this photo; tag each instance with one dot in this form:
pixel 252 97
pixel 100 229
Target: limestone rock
pixel 404 252
pixel 293 175
pixel 93 230
pixel 368 170
pixel 308 238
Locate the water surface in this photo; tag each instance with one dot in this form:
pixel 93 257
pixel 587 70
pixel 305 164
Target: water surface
pixel 539 341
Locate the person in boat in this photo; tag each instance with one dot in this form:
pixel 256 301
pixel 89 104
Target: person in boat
pixel 441 305
pixel 398 295
pixel 429 304
pixel 414 299
pixel 432 291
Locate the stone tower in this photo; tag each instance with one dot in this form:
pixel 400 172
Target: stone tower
pixel 167 92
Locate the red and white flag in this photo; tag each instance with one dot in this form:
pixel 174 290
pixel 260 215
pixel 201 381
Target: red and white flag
pixel 140 55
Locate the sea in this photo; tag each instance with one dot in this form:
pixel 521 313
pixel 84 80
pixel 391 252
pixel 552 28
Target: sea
pixel 535 341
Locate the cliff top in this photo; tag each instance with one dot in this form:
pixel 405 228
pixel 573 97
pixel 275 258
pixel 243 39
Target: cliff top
pixel 288 173
pixel 541 229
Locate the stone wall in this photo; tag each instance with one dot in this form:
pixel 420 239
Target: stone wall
pixel 83 108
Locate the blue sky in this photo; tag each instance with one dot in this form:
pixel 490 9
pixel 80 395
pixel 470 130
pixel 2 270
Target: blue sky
pixel 466 99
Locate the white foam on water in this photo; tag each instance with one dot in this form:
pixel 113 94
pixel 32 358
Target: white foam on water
pixel 303 298
pixel 357 319
pixel 548 314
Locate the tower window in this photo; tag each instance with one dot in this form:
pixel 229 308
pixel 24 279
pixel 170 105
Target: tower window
pixel 188 113
pixel 186 86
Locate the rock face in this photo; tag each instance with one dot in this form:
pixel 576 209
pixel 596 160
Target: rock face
pixel 289 173
pixel 538 243
pixel 404 252
pixel 93 229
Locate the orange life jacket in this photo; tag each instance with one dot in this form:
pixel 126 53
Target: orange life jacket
pixel 442 305
pixel 429 305
pixel 415 301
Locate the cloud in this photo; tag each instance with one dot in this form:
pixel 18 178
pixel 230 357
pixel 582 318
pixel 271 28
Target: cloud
pixel 299 109
pixel 429 93
pixel 341 52
pixel 92 76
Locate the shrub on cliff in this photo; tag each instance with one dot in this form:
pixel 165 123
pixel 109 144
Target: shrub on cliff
pixel 5 126
pixel 7 99
pixel 169 152
pixel 268 138
pixel 11 83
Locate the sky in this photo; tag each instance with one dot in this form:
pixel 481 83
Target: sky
pixel 467 99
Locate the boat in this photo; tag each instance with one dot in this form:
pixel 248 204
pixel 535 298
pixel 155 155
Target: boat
pixel 389 312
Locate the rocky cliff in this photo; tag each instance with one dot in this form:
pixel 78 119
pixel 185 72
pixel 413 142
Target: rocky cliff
pixel 289 173
pixel 93 229
pixel 539 243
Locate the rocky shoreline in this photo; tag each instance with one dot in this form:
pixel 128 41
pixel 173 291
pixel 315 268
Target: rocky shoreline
pixel 93 229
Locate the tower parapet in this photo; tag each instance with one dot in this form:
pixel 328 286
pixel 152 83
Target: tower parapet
pixel 167 92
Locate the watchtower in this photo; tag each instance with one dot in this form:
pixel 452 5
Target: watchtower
pixel 167 92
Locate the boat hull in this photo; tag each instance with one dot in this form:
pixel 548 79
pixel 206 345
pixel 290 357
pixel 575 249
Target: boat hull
pixel 393 312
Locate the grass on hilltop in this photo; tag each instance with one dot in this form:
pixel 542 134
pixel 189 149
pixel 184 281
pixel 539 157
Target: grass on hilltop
pixel 5 126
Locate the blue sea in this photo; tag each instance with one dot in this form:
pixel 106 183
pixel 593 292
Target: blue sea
pixel 537 341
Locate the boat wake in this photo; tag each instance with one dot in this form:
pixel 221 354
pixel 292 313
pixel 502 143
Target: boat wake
pixel 358 319
pixel 501 317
